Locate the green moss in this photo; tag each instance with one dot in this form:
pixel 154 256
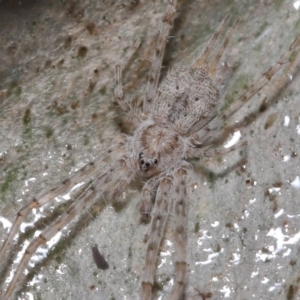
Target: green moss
pixel 103 90
pixel 229 225
pixel 26 117
pixel 18 91
pixel 293 56
pixel 27 135
pixel 238 87
pixel 14 88
pixel 261 29
pixel 158 286
pixel 58 252
pixel 297 25
pixel 48 64
pixel 11 176
pixel 82 51
pixel 129 252
pixel 86 140
pixel 197 227
pixel 293 262
pixel 291 293
pixel 258 47
pixel 211 177
pixel 278 4
pixel 48 132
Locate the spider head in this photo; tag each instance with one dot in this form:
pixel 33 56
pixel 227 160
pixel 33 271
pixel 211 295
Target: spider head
pixel 147 164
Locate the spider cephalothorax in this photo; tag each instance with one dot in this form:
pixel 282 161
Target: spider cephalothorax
pixel 157 148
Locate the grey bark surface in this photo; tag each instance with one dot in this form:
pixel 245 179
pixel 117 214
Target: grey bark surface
pixel 58 113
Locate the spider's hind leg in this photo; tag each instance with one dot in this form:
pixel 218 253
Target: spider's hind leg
pixel 81 201
pixel 88 170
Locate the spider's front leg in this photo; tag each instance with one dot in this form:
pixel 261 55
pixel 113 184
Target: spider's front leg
pixel 84 198
pixel 171 192
pixel 119 92
pixel 167 24
pixel 158 224
pixel 203 59
pixel 180 232
pixel 148 192
pixel 116 195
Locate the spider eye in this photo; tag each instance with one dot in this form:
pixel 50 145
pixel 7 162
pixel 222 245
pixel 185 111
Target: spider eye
pixel 147 164
pixel 155 161
pixel 142 161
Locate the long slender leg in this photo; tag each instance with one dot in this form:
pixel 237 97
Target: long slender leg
pixel 167 23
pixel 212 70
pixel 213 152
pixel 219 120
pixel 203 59
pixel 145 205
pixel 180 233
pixel 45 236
pixel 119 93
pixel 117 193
pixel 273 91
pixel 82 201
pixel 87 171
pixel 159 220
pixel 278 85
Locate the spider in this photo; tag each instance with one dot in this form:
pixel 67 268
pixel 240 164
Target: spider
pixel 180 119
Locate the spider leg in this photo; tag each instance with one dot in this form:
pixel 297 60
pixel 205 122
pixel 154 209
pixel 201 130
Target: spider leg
pixel 82 200
pixel 180 232
pixel 148 192
pixel 212 69
pixel 47 235
pixel 217 122
pixel 279 84
pixel 87 171
pixel 203 59
pixel 195 152
pixel 120 98
pixel 123 182
pixel 167 23
pixel 119 93
pixel 158 223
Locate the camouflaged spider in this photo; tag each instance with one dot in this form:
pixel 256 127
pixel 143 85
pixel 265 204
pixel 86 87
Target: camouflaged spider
pixel 180 120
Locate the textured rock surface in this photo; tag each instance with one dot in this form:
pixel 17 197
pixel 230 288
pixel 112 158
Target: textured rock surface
pixel 57 113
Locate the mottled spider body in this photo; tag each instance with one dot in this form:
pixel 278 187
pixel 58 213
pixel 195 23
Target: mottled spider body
pixel 180 119
pixel 186 100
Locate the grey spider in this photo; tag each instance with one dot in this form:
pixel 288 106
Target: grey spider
pixel 177 121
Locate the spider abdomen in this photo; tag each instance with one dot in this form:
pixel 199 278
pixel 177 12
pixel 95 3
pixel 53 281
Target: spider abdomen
pixel 187 98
